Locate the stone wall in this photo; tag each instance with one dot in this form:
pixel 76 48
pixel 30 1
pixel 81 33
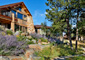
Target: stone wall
pixel 30 25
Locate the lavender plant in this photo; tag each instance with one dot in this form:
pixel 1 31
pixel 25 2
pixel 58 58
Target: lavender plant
pixel 10 45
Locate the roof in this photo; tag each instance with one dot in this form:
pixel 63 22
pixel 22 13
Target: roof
pixel 39 26
pixel 9 6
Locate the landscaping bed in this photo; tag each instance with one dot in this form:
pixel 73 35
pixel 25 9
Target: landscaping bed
pixel 57 51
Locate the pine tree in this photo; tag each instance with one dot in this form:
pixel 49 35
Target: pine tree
pixel 59 13
pixel 77 6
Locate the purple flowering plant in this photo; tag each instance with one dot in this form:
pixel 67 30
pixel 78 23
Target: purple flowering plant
pixel 9 45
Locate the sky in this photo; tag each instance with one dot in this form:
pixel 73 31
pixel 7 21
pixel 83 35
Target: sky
pixel 36 7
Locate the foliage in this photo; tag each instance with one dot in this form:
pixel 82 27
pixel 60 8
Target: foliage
pixel 59 13
pixel 9 45
pixel 48 52
pixel 30 42
pixel 24 38
pixel 44 27
pixel 20 38
pixel 44 40
pixel 9 32
pixel 3 33
pixel 81 26
pixel 57 51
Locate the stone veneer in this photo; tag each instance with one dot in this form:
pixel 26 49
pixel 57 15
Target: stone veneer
pixel 30 25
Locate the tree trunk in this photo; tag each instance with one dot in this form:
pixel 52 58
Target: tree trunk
pixel 69 33
pixel 76 32
pixel 76 39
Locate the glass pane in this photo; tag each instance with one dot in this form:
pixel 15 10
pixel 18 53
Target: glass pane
pixel 20 16
pixel 14 12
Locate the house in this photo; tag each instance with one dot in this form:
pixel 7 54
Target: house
pixel 16 17
pixel 38 29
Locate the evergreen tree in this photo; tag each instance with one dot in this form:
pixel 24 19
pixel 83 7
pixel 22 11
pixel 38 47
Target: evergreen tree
pixel 59 13
pixel 77 6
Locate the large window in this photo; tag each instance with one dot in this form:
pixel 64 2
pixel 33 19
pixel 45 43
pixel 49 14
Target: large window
pixel 14 13
pixel 20 16
pixel 7 13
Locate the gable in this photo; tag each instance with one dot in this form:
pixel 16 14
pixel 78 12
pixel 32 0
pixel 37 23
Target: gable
pixel 16 6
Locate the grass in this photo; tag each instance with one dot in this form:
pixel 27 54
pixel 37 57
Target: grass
pixel 76 58
pixel 57 51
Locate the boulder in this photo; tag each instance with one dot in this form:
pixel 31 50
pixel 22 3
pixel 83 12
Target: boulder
pixel 23 34
pixel 29 37
pixel 17 33
pixel 34 41
pixel 39 41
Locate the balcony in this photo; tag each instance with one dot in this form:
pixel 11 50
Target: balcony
pixel 21 22
pixel 6 19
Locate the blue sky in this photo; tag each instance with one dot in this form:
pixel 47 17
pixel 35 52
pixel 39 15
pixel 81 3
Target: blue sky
pixel 36 7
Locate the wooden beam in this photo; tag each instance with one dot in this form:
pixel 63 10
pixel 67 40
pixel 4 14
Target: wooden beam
pixel 19 12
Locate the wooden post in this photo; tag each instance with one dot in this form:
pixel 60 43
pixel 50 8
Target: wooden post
pixel 13 23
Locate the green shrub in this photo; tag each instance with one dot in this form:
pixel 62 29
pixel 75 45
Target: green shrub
pixel 20 38
pixel 44 40
pixel 3 33
pixel 9 32
pixel 30 42
pixel 63 52
pixel 48 52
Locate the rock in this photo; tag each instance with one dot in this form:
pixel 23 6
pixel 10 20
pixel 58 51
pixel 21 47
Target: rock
pixel 29 54
pixel 23 34
pixel 27 34
pixel 45 42
pixel 39 41
pixel 35 46
pixel 17 33
pixel 4 58
pixel 34 41
pixel 2 28
pixel 29 37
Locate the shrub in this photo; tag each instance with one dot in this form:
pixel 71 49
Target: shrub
pixel 3 33
pixel 48 52
pixel 9 45
pixel 44 40
pixel 30 42
pixel 21 38
pixel 9 32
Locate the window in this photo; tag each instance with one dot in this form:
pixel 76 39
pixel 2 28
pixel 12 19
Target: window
pixel 25 17
pixel 14 12
pixel 20 16
pixel 7 13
